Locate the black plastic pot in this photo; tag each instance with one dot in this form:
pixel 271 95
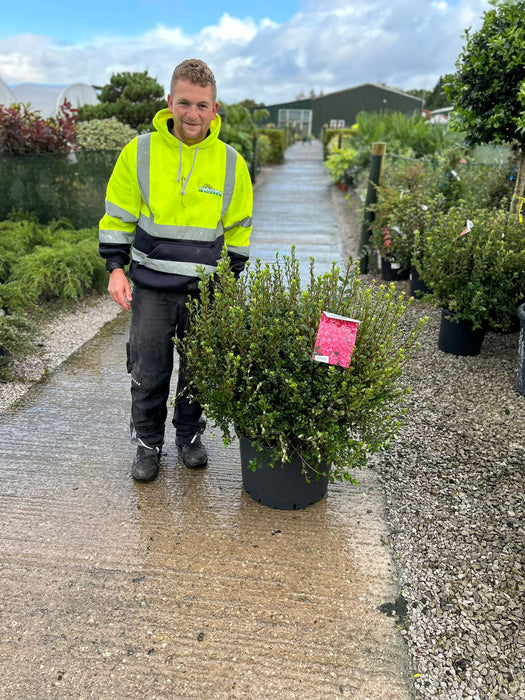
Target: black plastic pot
pixel 520 378
pixel 390 272
pixel 458 337
pixel 282 486
pixel 417 286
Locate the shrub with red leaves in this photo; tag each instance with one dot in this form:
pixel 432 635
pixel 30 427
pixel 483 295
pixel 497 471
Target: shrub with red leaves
pixel 23 131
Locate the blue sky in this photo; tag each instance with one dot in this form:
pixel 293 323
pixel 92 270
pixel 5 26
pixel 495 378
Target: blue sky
pixel 78 21
pixel 268 51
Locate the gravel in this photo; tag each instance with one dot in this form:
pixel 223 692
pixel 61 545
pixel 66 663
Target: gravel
pixel 57 339
pixel 453 491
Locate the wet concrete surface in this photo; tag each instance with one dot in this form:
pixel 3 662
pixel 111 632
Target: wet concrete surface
pixel 185 587
pixel 293 206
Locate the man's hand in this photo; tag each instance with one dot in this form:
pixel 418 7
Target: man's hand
pixel 119 289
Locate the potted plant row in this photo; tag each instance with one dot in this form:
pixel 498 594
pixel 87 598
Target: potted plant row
pixel 301 423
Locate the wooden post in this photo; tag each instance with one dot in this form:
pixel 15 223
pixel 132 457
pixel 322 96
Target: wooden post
pixel 374 179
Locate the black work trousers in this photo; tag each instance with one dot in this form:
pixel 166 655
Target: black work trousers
pixel 156 318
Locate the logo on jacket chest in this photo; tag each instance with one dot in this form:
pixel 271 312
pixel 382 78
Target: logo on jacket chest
pixel 208 189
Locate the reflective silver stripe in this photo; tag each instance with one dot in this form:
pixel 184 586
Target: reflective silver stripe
pixel 186 233
pixel 245 223
pixel 119 213
pixel 172 267
pixel 229 178
pixel 143 161
pixel 240 250
pixel 106 236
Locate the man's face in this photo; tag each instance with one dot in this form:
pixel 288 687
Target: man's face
pixel 193 108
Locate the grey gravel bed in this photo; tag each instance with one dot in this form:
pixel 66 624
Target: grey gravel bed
pixel 453 490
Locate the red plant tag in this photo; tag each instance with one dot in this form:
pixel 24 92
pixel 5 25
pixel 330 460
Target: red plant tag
pixel 335 340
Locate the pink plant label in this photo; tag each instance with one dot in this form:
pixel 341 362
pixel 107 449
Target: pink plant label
pixel 335 340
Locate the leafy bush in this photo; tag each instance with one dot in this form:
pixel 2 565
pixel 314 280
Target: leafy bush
pixel 277 141
pixel 132 98
pixel 65 271
pixel 249 353
pixel 488 88
pixel 264 149
pixel 479 275
pixel 40 264
pixel 103 134
pixel 24 131
pixel 16 334
pixel 17 238
pixel 338 162
pixel 334 138
pixel 413 191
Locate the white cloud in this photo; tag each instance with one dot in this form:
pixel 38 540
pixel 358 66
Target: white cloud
pixel 328 46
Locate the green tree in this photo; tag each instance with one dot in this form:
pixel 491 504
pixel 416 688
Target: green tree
pixel 437 98
pixel 488 87
pixel 238 128
pixel 251 104
pixel 133 98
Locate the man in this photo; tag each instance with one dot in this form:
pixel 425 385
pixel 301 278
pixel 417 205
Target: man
pixel 175 197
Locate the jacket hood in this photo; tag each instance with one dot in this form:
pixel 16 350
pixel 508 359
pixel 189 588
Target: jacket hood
pixel 160 122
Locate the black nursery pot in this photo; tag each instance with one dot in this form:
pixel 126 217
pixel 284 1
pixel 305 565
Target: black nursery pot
pixel 391 273
pixel 282 486
pixel 417 287
pixel 458 337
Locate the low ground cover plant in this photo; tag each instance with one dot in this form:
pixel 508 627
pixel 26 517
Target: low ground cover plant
pixel 39 266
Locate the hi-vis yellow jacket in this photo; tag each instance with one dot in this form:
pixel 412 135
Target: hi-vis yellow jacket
pixel 173 206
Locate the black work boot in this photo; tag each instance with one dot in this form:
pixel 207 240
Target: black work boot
pixel 193 453
pixel 145 466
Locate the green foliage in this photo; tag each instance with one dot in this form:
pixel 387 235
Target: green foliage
pixel 411 137
pixel 406 200
pixel 436 99
pixel 17 239
pixel 249 353
pixel 478 275
pixel 238 129
pixel 488 87
pixel 489 75
pixel 64 271
pixel 16 333
pixel 413 191
pixel 24 131
pixel 277 139
pixel 333 138
pixel 132 98
pixel 56 185
pixel 103 134
pixel 339 160
pixel 41 264
pixel 264 149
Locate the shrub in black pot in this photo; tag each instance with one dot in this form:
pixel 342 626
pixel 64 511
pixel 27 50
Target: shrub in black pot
pixel 250 355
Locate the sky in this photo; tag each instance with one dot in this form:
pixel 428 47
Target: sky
pixel 263 50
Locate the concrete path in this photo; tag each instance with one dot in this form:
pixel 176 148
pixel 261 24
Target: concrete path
pixel 184 588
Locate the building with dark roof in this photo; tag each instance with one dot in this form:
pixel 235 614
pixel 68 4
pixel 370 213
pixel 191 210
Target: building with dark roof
pixel 339 109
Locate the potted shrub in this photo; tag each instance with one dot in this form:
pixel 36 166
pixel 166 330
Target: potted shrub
pixel 338 164
pixel 250 355
pixel 474 263
pixel 402 202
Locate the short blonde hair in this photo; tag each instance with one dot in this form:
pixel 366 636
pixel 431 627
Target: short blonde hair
pixel 194 71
